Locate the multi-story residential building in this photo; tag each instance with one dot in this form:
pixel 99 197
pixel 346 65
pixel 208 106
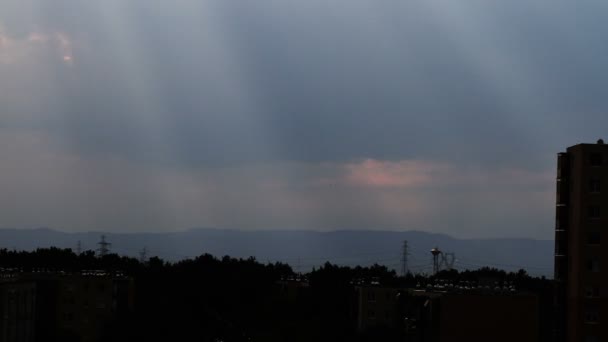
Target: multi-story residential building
pixel 581 262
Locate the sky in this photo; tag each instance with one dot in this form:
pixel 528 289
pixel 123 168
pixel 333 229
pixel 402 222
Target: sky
pixel 434 115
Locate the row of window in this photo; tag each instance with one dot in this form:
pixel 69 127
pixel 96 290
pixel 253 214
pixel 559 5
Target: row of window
pixel 593 213
pixel 592 292
pixel 595 159
pixel 593 239
pixel 595 187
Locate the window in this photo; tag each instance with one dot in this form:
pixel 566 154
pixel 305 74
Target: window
pixel 371 314
pixel 594 211
pixel 592 292
pixel 593 238
pixel 595 159
pixel 594 186
pixel 592 315
pixel 593 265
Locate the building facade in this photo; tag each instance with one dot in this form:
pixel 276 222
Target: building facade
pixel 581 263
pixel 476 314
pixel 57 306
pixel 17 310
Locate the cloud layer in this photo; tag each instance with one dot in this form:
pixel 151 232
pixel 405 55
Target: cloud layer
pixel 435 114
pixel 46 188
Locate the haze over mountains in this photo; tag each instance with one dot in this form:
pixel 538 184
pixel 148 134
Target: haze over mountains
pixel 304 250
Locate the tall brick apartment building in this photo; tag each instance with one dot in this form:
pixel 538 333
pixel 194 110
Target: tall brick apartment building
pixel 581 236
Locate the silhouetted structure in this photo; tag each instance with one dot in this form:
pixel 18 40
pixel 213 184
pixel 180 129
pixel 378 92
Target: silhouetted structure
pixel 104 246
pixel 17 309
pixel 60 306
pixel 484 317
pixel 447 260
pixel 445 312
pixel 580 260
pixel 404 255
pixel 377 307
pixel 241 300
pixel 143 255
pixel 436 265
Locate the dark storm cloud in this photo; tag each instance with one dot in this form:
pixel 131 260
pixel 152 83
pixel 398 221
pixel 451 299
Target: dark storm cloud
pixel 322 81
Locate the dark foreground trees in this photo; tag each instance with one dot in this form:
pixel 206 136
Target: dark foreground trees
pixel 228 299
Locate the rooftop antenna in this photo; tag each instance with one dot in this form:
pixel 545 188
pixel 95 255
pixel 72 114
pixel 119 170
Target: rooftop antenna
pixel 104 246
pixel 436 253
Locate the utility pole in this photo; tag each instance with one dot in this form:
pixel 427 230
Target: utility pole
pixel 404 266
pixel 104 246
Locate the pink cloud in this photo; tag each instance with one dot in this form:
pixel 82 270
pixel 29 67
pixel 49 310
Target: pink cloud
pixel 37 37
pixel 399 174
pixel 15 50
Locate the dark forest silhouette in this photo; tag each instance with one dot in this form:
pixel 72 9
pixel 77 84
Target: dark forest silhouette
pixel 228 299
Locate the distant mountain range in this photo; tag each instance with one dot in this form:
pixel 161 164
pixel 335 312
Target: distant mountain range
pixel 304 250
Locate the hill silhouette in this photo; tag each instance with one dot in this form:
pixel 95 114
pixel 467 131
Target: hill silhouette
pixel 305 249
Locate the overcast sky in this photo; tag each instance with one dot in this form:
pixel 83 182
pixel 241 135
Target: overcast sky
pixel 433 115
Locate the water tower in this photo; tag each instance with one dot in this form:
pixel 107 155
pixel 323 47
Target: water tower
pixel 436 253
